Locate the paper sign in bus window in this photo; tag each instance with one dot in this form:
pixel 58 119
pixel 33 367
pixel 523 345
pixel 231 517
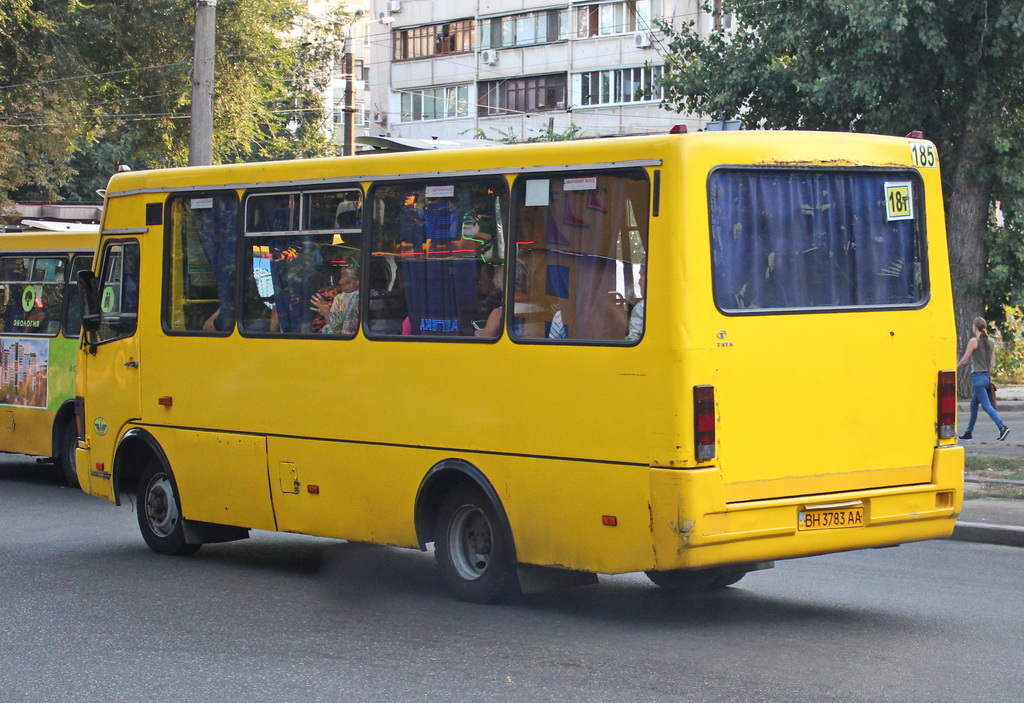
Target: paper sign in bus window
pixel 538 193
pixel 899 201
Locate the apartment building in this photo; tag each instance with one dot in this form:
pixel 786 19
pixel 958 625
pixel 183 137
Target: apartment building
pixel 519 69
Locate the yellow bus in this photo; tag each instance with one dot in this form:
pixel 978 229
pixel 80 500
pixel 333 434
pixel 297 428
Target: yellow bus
pixel 39 334
pixel 671 354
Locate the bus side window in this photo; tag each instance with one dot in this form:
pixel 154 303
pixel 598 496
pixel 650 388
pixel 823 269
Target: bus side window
pixel 580 257
pixel 119 291
pixel 437 255
pixel 304 250
pixel 73 309
pixel 203 236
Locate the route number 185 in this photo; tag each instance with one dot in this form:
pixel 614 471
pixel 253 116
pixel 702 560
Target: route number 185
pixel 923 155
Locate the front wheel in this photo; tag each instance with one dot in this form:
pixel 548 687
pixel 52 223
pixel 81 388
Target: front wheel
pixel 66 460
pixel 696 582
pixel 159 512
pixel 473 552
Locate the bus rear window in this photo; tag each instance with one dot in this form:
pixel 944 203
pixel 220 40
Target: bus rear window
pixel 794 240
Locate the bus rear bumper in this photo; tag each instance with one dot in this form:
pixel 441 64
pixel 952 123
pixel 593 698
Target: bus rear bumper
pixel 694 527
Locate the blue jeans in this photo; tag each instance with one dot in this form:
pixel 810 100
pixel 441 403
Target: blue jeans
pixel 980 382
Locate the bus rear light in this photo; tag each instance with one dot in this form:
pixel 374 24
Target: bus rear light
pixel 947 404
pixel 609 520
pixel 704 422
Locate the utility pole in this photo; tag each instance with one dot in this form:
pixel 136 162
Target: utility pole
pixel 200 142
pixel 348 142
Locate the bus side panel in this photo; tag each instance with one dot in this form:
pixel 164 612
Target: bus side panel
pixel 555 508
pixel 581 515
pixel 222 478
pixel 26 430
pixel 360 492
pixel 30 407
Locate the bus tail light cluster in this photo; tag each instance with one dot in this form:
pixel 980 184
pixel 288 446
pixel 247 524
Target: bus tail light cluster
pixel 704 422
pixel 947 404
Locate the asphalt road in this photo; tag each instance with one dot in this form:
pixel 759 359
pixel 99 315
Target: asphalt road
pixel 87 613
pixel 985 433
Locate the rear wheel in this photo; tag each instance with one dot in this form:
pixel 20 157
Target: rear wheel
pixel 159 512
pixel 695 582
pixel 473 551
pixel 66 460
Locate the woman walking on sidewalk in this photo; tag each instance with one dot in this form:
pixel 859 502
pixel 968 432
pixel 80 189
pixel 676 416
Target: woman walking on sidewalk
pixel 981 353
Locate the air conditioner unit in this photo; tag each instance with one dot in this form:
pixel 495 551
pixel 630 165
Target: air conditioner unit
pixel 394 5
pixel 489 56
pixel 380 118
pixel 641 40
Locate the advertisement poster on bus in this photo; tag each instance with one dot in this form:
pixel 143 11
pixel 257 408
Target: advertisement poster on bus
pixel 30 366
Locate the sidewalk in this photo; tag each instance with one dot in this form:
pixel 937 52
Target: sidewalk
pixel 994 520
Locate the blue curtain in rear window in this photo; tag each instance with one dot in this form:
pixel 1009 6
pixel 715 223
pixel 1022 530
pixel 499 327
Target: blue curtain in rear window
pixel 812 239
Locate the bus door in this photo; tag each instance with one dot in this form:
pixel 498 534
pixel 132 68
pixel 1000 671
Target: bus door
pixel 110 368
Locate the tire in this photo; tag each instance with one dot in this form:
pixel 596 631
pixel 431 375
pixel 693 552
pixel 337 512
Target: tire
pixel 696 582
pixel 159 512
pixel 66 460
pixel 473 550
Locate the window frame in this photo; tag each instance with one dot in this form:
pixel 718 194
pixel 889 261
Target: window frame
pixel 920 243
pixel 370 232
pixel 554 20
pixel 168 273
pixel 519 88
pixel 420 96
pixel 617 76
pixel 32 257
pixel 432 40
pixel 513 256
pixel 72 286
pixel 246 238
pixel 105 248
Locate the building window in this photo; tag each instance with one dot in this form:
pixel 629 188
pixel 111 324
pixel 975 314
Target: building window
pixel 524 29
pixel 433 40
pixel 531 94
pixel 435 103
pixel 604 19
pixel 361 115
pixel 624 85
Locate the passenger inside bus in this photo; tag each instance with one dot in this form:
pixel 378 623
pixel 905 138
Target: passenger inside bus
pixel 487 321
pixel 337 305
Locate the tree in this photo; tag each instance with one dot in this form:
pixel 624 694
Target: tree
pixel 265 87
pixel 952 68
pixel 39 123
pixel 86 86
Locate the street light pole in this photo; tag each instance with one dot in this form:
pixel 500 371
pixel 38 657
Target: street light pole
pixel 200 140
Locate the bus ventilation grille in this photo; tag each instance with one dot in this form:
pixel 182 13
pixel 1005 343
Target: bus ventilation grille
pixel 154 213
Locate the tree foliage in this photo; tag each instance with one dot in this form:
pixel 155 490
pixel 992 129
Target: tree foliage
pixel 952 68
pixel 86 86
pixel 38 124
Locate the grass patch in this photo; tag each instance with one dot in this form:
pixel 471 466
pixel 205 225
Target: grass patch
pixel 985 467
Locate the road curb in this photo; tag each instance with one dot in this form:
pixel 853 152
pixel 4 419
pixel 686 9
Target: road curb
pixel 1006 535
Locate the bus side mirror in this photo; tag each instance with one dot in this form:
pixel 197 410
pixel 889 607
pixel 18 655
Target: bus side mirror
pixel 90 301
